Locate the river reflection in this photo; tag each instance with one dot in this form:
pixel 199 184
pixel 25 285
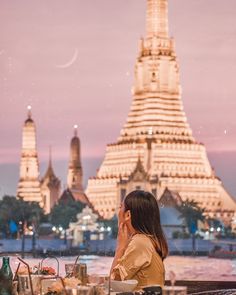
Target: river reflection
pixel 185 267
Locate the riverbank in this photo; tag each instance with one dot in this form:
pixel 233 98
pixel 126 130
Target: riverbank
pixel 59 247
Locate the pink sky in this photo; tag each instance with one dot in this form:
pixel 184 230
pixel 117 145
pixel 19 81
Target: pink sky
pixel 95 92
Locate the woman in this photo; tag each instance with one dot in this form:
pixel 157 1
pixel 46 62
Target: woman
pixel 141 244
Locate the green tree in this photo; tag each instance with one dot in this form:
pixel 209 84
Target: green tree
pixel 191 212
pixel 19 211
pixel 64 213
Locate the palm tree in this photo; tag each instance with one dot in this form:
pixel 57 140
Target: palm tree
pixel 192 213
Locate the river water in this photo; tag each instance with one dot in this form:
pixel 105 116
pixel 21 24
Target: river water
pixel 185 267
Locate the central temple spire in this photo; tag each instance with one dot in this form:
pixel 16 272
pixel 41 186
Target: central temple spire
pixel 157 18
pixel 156 149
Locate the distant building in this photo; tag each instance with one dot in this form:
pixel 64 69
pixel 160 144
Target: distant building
pixel 86 226
pixel 45 191
pixel 170 199
pixel 171 219
pixel 156 149
pixel 50 188
pixel 29 184
pixel 67 197
pixel 75 171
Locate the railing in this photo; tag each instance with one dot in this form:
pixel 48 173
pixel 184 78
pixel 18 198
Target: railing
pixel 207 287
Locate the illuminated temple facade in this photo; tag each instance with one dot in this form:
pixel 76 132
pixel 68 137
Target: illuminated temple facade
pixel 156 149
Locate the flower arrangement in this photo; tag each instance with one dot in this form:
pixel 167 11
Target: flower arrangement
pixel 37 271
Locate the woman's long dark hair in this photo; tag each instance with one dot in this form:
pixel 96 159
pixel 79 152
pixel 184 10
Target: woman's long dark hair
pixel 145 218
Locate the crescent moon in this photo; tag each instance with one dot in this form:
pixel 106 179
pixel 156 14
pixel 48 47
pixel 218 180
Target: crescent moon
pixel 70 62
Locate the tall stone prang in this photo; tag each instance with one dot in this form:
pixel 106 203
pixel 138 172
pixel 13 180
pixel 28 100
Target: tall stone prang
pixel 75 171
pixel 156 149
pixel 29 184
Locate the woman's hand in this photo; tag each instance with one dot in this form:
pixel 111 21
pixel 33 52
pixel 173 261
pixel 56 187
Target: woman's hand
pixel 123 237
pixel 123 240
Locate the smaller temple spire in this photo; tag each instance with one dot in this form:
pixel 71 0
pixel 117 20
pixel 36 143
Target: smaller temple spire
pixel 49 173
pixel 157 18
pixel 75 174
pixel 50 186
pixel 75 171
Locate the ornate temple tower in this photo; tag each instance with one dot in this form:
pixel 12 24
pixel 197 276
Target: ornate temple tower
pixel 50 188
pixel 29 185
pixel 75 172
pixel 156 149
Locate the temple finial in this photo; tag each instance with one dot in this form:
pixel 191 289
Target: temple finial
pixel 157 18
pixel 29 111
pixel 75 130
